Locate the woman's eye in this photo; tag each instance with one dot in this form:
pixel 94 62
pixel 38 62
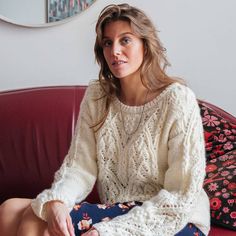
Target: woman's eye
pixel 107 43
pixel 126 40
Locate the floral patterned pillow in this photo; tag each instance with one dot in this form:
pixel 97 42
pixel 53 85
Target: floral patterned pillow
pixel 220 181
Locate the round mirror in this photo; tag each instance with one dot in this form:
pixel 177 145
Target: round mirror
pixel 41 12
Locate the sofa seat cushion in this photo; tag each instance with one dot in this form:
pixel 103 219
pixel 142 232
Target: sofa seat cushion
pixel 219 231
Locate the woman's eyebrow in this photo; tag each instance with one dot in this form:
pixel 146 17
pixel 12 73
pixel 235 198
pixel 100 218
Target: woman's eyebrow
pixel 120 35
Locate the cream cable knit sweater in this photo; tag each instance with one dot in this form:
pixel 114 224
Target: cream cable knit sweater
pixel 162 164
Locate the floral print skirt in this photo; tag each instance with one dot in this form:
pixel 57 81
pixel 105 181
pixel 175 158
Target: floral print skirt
pixel 84 215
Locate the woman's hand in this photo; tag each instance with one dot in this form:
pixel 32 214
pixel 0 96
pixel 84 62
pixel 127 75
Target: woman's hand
pixel 92 232
pixel 58 219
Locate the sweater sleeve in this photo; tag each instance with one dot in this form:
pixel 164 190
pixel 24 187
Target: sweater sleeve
pixel 78 172
pixel 169 211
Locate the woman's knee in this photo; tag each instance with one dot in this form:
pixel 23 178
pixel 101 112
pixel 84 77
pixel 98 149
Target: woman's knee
pixel 31 225
pixel 13 207
pixel 10 215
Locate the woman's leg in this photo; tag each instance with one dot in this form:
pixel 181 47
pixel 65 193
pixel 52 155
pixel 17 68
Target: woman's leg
pixel 18 218
pixel 31 225
pixel 190 230
pixel 10 215
pixel 85 215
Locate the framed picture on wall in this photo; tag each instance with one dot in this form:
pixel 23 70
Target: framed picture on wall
pixel 60 9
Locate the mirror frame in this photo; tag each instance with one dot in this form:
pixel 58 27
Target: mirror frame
pixel 46 24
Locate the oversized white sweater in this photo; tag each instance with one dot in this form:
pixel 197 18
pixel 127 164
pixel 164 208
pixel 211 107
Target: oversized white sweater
pixel 162 164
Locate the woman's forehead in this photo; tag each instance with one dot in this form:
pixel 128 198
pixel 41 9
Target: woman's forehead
pixel 116 28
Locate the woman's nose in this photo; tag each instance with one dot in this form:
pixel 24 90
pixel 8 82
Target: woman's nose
pixel 116 49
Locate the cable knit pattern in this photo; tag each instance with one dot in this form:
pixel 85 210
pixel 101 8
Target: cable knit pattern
pixel 162 164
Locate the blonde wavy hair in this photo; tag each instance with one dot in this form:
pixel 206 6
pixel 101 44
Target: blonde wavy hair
pixel 152 70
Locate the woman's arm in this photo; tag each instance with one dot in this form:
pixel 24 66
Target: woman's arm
pixel 77 175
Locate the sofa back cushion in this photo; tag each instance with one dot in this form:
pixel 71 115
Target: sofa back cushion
pixel 36 126
pixel 220 181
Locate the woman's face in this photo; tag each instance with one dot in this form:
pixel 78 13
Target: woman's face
pixel 122 49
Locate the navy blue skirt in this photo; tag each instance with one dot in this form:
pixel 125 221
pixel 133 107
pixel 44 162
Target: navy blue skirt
pixel 85 215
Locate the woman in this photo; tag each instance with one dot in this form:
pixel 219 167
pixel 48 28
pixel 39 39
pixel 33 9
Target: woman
pixel 139 135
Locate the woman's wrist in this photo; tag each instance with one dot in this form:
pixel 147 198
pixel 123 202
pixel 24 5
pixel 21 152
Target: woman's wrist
pixel 48 206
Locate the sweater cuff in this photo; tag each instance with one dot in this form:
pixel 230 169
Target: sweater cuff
pixel 121 228
pixel 105 229
pixel 38 204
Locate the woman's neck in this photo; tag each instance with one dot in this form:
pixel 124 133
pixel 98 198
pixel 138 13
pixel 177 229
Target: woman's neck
pixel 133 92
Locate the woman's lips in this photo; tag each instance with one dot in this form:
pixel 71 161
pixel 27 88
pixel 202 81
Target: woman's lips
pixel 117 63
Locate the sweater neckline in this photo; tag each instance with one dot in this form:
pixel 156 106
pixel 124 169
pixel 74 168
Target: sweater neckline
pixel 148 105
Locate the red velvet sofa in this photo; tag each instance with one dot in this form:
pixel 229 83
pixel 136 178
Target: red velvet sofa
pixel 36 126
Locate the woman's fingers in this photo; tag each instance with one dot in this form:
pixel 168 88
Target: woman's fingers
pixel 58 218
pixel 58 230
pixel 65 231
pixel 70 226
pixel 92 232
pixel 64 226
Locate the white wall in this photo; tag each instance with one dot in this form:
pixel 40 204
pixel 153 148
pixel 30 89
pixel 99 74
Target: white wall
pixel 199 36
pixel 24 11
